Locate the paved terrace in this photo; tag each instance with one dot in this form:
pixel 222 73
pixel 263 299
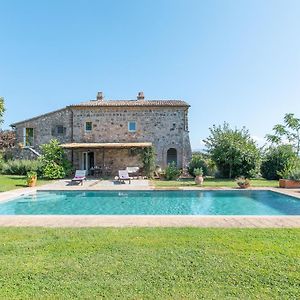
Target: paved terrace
pixel 141 221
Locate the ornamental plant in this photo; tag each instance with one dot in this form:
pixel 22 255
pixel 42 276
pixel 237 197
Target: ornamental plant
pixel 202 160
pixel 243 182
pixel 54 160
pixel 198 172
pixel 31 178
pixel 172 172
pixel 148 157
pixel 295 174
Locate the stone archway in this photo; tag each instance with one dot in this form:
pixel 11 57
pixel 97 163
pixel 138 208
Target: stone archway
pixel 172 156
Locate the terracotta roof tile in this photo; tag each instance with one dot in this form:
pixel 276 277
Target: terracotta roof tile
pixel 116 103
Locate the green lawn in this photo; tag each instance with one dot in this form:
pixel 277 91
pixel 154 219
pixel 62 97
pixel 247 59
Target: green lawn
pixel 149 263
pixel 11 182
pixel 212 182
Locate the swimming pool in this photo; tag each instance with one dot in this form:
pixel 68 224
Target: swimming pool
pixel 246 202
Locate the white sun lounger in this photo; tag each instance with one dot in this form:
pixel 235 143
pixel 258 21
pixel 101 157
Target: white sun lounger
pixel 80 175
pixel 123 175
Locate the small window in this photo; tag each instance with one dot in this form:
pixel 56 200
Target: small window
pixel 132 126
pixel 60 129
pixel 88 126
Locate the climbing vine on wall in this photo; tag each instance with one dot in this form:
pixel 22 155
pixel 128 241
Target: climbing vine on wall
pixel 148 157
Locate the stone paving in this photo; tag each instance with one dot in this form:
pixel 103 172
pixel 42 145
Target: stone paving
pixel 96 184
pixel 140 221
pixel 152 221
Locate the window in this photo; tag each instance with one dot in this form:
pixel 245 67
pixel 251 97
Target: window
pixel 88 126
pixel 28 137
pixel 132 126
pixel 60 129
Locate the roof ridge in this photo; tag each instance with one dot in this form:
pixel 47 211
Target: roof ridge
pixel 150 102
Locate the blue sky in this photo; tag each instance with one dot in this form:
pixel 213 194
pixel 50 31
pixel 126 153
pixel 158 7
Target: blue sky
pixel 235 61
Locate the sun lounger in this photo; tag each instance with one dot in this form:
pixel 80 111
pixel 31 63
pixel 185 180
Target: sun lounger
pixel 123 175
pixel 80 175
pixel 133 171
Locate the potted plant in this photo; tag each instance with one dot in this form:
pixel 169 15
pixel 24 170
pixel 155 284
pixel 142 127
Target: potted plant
pixel 31 178
pixel 198 172
pixel 243 182
pixel 291 179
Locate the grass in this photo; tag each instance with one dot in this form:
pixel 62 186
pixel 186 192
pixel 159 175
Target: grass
pixel 11 182
pixel 149 263
pixel 212 182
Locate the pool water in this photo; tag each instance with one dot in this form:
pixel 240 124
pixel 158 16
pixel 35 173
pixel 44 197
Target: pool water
pixel 152 203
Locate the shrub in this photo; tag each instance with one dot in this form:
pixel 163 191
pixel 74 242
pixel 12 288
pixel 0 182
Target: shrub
pixel 172 172
pixel 201 160
pixel 278 162
pixel 53 171
pixel 54 161
pixel 21 167
pixel 295 174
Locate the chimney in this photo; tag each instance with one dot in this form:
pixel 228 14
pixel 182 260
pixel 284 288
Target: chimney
pixel 141 96
pixel 100 96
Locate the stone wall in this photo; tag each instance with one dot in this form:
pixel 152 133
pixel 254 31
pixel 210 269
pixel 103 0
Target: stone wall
pixel 20 153
pixel 44 127
pixel 165 127
pixel 114 159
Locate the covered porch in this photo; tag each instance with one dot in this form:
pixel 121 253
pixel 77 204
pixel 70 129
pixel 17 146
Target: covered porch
pixel 105 159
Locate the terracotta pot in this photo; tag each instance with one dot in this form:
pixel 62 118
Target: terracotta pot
pixel 244 185
pixel 32 182
pixel 289 184
pixel 199 180
pixel 162 176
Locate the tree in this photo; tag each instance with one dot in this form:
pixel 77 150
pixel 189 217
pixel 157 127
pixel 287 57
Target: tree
pixel 7 139
pixel 2 109
pixel 288 132
pixel 276 159
pixel 234 152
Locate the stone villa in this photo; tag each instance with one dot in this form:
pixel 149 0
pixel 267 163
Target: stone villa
pixel 106 133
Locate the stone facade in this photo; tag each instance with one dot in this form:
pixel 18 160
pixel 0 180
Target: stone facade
pixel 163 123
pixel 44 127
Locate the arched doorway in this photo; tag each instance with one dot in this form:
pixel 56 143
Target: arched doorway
pixel 172 156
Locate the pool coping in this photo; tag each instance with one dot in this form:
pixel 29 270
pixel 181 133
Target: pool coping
pixel 223 221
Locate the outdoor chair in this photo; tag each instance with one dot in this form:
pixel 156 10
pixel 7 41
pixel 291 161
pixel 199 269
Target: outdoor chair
pixel 133 171
pixel 123 175
pixel 80 176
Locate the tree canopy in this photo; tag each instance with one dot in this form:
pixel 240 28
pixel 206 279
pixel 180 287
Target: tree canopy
pixel 7 139
pixel 289 132
pixel 234 152
pixel 276 159
pixel 2 109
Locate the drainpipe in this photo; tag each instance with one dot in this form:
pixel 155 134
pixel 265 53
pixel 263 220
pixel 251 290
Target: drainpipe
pixel 183 146
pixel 72 135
